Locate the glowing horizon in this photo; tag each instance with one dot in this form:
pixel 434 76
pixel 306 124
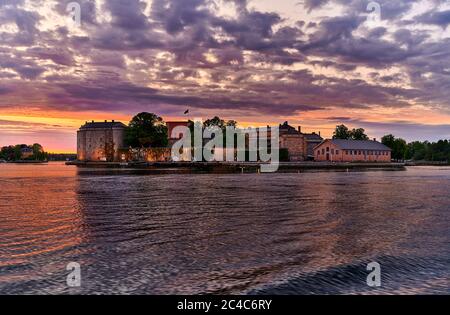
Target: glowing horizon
pixel 316 64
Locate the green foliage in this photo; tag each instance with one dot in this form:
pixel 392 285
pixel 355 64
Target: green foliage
pixel 38 152
pixel 146 130
pixel 388 140
pixel 7 153
pixel 418 151
pixel 342 132
pixel 436 151
pixel 218 122
pixel 397 145
pixel 215 122
pixel 17 152
pixel 14 153
pixel 358 134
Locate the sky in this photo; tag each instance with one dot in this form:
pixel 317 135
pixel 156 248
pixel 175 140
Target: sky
pixel 314 63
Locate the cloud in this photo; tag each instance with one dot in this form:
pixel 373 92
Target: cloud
pixel 226 56
pixel 440 18
pixel 25 124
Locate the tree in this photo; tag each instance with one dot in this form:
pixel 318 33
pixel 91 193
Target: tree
pixel 358 134
pixel 388 140
pixel 38 152
pixel 397 145
pixel 400 148
pixel 231 123
pixel 146 130
pixel 17 152
pixel 222 124
pixel 9 153
pixel 417 150
pixel 37 149
pixel 341 132
pixel 214 122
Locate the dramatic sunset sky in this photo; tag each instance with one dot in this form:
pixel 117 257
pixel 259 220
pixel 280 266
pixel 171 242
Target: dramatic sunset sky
pixel 317 63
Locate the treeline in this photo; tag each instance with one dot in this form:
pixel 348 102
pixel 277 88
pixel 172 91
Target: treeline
pixel 23 152
pixel 418 151
pixel 342 132
pixel 149 130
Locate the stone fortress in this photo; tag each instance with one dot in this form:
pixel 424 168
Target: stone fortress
pixel 104 142
pixel 100 141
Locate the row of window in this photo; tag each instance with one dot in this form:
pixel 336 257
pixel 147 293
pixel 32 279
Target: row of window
pixel 328 150
pixel 354 152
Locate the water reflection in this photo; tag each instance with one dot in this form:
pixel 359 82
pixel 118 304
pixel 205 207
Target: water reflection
pixel 229 233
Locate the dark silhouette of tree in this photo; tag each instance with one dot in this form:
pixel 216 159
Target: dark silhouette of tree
pixel 146 130
pixel 397 145
pixel 388 140
pixel 341 132
pixel 358 134
pixel 14 153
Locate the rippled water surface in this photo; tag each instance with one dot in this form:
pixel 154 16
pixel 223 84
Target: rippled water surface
pixel 135 233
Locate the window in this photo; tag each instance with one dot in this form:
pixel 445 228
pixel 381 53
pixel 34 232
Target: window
pixel 337 152
pixel 328 149
pixel 323 151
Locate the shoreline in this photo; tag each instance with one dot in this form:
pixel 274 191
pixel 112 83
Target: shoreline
pixel 238 167
pixel 24 162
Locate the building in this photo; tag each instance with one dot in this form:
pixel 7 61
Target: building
pixel 312 140
pixel 338 150
pixel 104 142
pixel 25 152
pixel 100 141
pixel 300 146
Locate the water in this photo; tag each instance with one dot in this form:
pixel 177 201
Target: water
pixel 309 233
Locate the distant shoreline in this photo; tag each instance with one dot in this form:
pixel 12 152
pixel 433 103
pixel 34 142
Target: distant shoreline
pixel 24 162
